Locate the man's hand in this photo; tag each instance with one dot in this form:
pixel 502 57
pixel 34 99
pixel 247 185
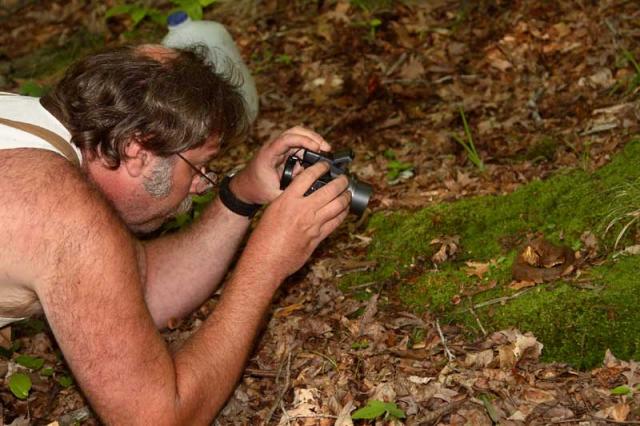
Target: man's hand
pixel 293 225
pixel 259 182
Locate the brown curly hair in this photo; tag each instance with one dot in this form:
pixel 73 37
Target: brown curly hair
pixel 175 103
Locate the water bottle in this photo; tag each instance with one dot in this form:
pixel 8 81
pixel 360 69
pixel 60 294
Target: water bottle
pixel 222 51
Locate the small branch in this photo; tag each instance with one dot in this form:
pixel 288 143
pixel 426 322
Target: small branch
pixel 284 388
pixel 450 355
pixel 473 312
pixel 396 64
pixel 617 422
pixel 498 300
pixel 260 373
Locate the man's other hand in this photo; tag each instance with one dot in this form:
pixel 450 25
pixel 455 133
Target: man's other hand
pixel 259 182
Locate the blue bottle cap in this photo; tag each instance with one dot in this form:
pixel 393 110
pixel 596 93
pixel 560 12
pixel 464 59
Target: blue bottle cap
pixel 177 18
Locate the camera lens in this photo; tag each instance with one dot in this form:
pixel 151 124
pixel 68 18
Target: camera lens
pixel 360 194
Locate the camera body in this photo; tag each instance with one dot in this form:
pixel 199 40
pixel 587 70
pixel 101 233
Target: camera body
pixel 339 162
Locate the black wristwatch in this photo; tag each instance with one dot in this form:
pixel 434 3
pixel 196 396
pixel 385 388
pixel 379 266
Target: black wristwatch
pixel 233 203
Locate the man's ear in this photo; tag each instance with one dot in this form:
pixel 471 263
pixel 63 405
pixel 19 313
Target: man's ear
pixel 137 158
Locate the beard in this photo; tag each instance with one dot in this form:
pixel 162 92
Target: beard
pixel 184 206
pixel 160 182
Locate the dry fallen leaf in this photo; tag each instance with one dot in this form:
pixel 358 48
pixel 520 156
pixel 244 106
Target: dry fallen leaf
pixel 288 310
pixel 412 69
pixel 448 249
pixel 620 412
pixel 518 285
pixel 476 268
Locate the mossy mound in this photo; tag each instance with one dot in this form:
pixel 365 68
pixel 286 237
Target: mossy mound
pixel 577 322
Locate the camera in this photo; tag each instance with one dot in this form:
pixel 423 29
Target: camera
pixel 339 162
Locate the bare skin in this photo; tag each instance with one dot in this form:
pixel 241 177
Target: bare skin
pixel 66 245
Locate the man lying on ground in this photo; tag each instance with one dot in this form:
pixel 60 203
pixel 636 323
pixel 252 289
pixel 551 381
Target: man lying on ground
pixel 143 123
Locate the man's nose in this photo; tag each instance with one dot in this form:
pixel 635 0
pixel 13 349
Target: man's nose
pixel 201 184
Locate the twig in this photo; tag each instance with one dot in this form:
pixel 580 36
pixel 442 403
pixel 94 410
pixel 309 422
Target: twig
pixel 407 81
pixel 450 355
pixel 498 300
pixel 617 422
pixel 396 64
pixel 359 286
pixel 260 373
pixel 284 388
pixel 315 416
pixel 473 312
pixel 331 361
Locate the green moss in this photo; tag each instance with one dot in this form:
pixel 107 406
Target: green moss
pixel 576 325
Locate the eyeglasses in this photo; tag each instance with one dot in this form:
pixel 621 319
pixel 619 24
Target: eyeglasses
pixel 209 178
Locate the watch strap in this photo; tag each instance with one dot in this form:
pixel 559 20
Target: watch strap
pixel 234 204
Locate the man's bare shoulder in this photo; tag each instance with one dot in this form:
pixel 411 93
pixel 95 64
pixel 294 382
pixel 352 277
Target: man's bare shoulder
pixel 48 209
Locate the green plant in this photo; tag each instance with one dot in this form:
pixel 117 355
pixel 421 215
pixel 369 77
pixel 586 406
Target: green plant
pixel 622 390
pixel 65 381
pixel 625 210
pixel 396 169
pixel 139 12
pixel 360 344
pixel 184 219
pixel 32 88
pixel 20 385
pixel 284 59
pixel 468 144
pixel 193 8
pixel 634 82
pixel 373 27
pixel 30 362
pixel 375 409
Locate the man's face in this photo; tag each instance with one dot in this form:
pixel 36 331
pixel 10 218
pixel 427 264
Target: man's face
pixel 165 188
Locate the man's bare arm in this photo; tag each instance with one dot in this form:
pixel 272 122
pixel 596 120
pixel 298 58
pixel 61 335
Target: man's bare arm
pixel 183 269
pixel 65 238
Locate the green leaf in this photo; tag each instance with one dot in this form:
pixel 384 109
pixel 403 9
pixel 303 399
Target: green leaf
pixel 191 7
pixel 30 362
pixel 46 372
pixel 362 344
pixel 138 14
pixel 394 411
pixel 374 409
pixel 31 88
pixel 389 154
pixel 65 381
pixel 158 17
pixel 621 390
pixel 119 10
pixel 205 3
pixel 20 385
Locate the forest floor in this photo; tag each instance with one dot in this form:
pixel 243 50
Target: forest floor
pixel 548 89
